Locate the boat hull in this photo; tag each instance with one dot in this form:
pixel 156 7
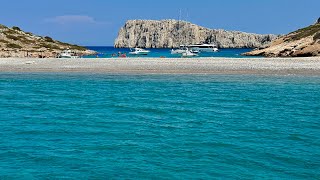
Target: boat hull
pixel 204 49
pixel 139 53
pixel 178 51
pixel 188 54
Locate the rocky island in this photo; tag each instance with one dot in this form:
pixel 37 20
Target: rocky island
pixel 172 33
pixel 301 43
pixel 16 43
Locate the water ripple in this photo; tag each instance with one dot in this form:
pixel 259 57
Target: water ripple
pixel 150 126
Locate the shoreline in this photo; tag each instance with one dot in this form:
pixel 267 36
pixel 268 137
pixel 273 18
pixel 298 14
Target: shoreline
pixel 276 66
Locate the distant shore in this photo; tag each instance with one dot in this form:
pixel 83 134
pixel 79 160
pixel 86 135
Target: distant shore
pixel 281 66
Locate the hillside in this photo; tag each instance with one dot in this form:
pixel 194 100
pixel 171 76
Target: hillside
pixel 16 43
pixel 172 33
pixel 301 43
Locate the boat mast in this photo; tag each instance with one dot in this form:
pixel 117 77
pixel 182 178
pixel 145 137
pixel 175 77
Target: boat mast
pixel 187 34
pixel 179 29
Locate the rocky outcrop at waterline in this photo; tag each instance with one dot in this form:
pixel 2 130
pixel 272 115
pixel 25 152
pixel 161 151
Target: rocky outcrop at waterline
pixel 16 43
pixel 304 42
pixel 172 33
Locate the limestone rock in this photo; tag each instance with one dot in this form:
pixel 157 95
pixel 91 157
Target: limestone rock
pixel 173 33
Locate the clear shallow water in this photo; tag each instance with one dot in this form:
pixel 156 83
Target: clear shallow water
pixel 159 126
pixel 106 52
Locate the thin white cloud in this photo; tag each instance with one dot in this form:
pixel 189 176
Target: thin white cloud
pixel 73 19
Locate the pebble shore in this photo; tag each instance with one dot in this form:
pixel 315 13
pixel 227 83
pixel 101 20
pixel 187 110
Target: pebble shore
pixel 306 66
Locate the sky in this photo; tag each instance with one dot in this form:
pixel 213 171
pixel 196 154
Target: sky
pixel 97 22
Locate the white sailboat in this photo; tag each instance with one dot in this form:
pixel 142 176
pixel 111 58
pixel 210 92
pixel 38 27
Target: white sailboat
pixel 193 49
pixel 182 48
pixel 184 51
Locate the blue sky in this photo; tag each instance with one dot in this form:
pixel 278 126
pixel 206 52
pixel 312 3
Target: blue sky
pixel 96 22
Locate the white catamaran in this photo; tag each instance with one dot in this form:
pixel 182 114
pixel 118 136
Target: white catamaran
pixel 203 47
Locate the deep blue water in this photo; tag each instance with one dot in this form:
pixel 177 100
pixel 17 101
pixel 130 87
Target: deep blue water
pixel 107 51
pixel 86 126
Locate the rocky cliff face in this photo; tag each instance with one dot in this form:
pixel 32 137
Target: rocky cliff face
pixel 172 33
pixel 16 43
pixel 301 43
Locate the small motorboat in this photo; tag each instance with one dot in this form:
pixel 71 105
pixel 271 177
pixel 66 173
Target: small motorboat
pixel 181 50
pixel 188 53
pixel 139 51
pixel 67 54
pixel 177 51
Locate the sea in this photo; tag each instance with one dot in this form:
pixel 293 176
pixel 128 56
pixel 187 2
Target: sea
pixel 104 126
pixel 111 52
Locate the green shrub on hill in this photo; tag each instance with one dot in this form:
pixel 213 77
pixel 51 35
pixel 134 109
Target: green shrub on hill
pixel 305 32
pixel 3 41
pixel 3 26
pixel 27 41
pixel 13 37
pixel 14 46
pixel 32 50
pixel 16 28
pixel 36 47
pixel 9 32
pixel 72 46
pixel 48 39
pixel 50 46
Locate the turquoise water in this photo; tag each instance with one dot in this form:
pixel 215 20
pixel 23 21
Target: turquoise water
pixel 107 51
pixel 86 126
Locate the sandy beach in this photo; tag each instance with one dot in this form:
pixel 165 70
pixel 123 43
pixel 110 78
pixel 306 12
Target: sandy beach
pixel 304 66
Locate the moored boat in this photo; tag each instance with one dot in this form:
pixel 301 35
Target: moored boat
pixel 203 47
pixel 188 53
pixel 68 54
pixel 181 50
pixel 139 51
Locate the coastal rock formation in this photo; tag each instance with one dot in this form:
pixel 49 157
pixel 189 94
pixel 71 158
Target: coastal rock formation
pixel 16 43
pixel 301 43
pixel 172 33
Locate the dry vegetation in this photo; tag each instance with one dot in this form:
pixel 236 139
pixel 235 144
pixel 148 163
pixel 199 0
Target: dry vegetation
pixel 14 39
pixel 313 30
pixel 304 42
